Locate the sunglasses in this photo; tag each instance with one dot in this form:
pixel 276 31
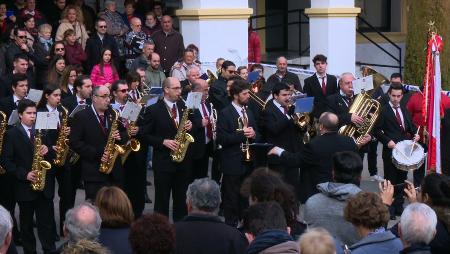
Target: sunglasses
pixel 59 49
pixel 102 26
pixel 22 37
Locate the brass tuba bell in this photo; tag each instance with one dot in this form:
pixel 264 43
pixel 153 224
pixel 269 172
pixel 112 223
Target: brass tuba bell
pixel 211 77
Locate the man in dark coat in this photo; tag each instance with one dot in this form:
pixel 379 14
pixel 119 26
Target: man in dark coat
pixel 283 75
pixel 211 234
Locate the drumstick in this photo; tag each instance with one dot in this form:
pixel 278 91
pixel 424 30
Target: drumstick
pixel 414 142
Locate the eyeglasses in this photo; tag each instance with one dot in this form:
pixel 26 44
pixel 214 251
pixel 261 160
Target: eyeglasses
pixel 22 37
pixel 105 96
pixel 101 26
pixel 123 90
pixel 176 88
pixel 59 49
pixel 231 72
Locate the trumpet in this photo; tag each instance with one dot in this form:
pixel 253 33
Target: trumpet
pixel 245 147
pixel 213 121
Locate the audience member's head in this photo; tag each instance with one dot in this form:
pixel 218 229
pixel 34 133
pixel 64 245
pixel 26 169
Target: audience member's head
pixel 282 64
pixel 366 212
pixel 203 196
pixel 228 69
pixel 84 246
pixel 347 167
pixel 262 217
pixel 317 241
pixel 417 224
pixel 435 191
pixel 114 207
pixel 396 78
pixel 6 226
pixel 328 122
pixel 152 234
pixel 82 222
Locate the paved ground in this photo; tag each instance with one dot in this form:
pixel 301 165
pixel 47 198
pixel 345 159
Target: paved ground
pixel 365 185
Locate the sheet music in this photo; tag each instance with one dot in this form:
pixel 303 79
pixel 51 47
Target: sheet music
pixel 34 95
pixel 131 111
pixel 47 121
pixel 194 100
pixel 77 109
pixel 364 83
pixel 13 118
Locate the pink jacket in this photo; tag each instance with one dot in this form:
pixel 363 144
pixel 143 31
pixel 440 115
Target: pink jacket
pixel 108 77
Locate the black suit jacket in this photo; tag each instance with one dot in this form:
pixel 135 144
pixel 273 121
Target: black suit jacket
pixel 88 140
pixel 231 155
pixel 17 158
pixel 6 82
pixel 7 105
pixel 280 131
pixel 70 103
pixel 218 94
pixel 94 47
pixel 160 126
pixel 289 78
pixel 199 133
pixel 315 160
pixel 313 88
pixel 387 128
pixel 337 105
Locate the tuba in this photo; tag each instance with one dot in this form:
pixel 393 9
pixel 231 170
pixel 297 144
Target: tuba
pixel 182 138
pixel 133 144
pixel 40 166
pixel 211 77
pixel 62 142
pixel 3 125
pixel 111 147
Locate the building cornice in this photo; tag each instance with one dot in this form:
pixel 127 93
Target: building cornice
pixel 208 14
pixel 332 12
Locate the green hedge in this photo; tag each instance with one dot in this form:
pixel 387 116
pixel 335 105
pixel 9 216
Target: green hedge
pixel 420 12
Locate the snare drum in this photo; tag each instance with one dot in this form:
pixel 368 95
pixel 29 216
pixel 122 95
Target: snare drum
pixel 403 159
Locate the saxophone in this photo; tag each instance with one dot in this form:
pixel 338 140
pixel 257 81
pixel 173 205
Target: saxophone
pixel 3 125
pixel 133 144
pixel 111 147
pixel 40 166
pixel 62 143
pixel 182 138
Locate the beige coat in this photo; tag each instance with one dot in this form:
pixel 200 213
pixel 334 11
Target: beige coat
pixel 80 31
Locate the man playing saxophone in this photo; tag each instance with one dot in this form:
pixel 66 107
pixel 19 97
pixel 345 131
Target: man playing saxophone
pixel 17 159
pixel 163 120
pixel 90 133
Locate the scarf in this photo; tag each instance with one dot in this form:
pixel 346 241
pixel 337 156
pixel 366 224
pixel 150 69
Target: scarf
pixel 47 43
pixel 268 239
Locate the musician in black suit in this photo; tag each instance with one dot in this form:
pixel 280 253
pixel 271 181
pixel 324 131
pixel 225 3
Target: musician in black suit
pixel 394 124
pixel 90 131
pixel 320 85
pixel 231 136
pixel 162 123
pixel 283 75
pixel 49 102
pixel 314 159
pixel 133 81
pixel 204 144
pixel 17 158
pixel 22 66
pixel 19 87
pixel 82 96
pixel 280 130
pixel 97 42
pixel 218 94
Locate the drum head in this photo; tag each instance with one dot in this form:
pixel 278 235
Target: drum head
pixel 405 159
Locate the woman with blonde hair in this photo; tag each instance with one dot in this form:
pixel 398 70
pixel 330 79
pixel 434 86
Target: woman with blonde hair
pixel 72 18
pixel 317 241
pixel 117 215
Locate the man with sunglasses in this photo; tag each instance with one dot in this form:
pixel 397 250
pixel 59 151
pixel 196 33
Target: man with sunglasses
pixel 97 42
pixel 89 134
pixel 17 46
pixel 218 93
pixel 320 85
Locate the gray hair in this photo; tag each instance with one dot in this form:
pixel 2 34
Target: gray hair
pixel 192 68
pixel 6 224
pixel 418 224
pixel 149 42
pixel 204 195
pixel 345 74
pixel 108 2
pixel 44 26
pixel 80 225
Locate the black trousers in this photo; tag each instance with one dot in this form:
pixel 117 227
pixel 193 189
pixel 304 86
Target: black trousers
pixel 200 166
pixel 135 175
pixel 175 183
pixel 372 154
pixel 395 176
pixel 65 193
pixel 216 175
pixel 8 198
pixel 43 208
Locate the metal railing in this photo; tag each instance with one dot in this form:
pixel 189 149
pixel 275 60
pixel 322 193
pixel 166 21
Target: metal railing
pixel 302 20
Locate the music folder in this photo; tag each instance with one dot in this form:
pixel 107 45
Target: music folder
pixel 304 105
pixel 47 121
pixel 253 76
pixel 13 118
pixel 77 109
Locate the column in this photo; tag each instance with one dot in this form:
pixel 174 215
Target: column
pixel 332 28
pixel 217 28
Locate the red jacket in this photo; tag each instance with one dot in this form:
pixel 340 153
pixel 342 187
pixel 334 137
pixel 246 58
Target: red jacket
pixel 414 106
pixel 254 48
pixel 75 54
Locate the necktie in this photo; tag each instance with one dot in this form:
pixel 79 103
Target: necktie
pixel 81 102
pixel 208 127
pixel 324 86
pixel 285 109
pixel 121 107
pixel 31 136
pixel 399 119
pixel 133 95
pixel 102 123
pixel 350 101
pixel 244 117
pixel 174 115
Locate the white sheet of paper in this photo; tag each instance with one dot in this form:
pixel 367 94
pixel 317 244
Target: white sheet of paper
pixel 77 109
pixel 34 95
pixel 115 106
pixel 364 83
pixel 193 100
pixel 47 120
pixel 131 111
pixel 368 82
pixel 13 118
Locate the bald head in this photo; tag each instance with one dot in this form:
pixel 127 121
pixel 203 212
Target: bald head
pixel 282 64
pixel 155 61
pixel 166 22
pixel 135 24
pixel 329 122
pixel 200 85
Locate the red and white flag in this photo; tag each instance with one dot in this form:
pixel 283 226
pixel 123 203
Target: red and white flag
pixel 432 102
